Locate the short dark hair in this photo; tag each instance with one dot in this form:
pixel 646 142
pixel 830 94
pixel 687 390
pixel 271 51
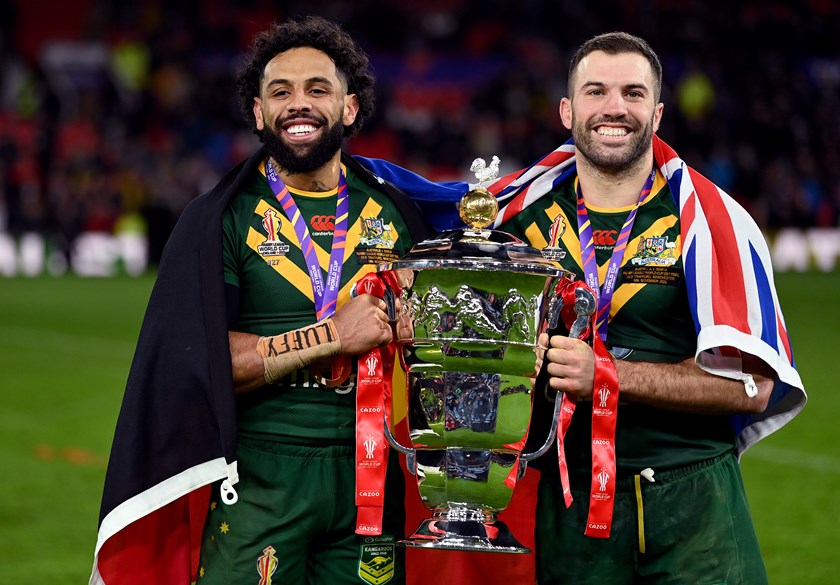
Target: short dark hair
pixel 614 43
pixel 351 63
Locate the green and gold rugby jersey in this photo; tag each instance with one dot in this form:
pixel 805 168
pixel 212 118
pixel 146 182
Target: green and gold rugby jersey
pixel 263 258
pixel 649 314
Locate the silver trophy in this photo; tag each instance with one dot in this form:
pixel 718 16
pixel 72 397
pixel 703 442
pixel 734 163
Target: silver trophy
pixel 478 299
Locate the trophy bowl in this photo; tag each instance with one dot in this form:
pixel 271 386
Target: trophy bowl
pixel 478 300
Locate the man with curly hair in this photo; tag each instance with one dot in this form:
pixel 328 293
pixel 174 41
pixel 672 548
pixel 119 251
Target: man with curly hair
pixel 249 343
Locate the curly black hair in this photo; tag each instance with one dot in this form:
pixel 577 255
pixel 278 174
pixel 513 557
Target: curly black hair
pixel 351 63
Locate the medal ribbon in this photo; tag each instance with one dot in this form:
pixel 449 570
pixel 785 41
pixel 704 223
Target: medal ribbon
pixel 605 384
pixel 325 296
pixel 604 409
pixel 373 401
pixel 604 418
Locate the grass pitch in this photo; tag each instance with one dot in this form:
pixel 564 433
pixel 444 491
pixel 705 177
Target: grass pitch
pixel 66 346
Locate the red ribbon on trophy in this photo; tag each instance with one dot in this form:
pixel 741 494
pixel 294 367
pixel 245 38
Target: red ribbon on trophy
pixel 373 402
pixel 604 417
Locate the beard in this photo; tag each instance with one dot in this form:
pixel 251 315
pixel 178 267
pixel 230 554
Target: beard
pixel 609 159
pixel 303 158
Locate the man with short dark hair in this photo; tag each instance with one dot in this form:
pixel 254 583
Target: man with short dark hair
pixel 699 365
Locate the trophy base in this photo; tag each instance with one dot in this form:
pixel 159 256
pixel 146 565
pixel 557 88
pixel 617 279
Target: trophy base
pixel 470 536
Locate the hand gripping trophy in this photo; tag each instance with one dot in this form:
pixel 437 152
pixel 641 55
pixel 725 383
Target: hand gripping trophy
pixel 478 299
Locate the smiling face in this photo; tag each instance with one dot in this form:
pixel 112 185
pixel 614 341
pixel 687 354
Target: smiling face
pixel 612 112
pixel 302 109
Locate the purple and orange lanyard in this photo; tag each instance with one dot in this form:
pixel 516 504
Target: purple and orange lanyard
pixel 325 294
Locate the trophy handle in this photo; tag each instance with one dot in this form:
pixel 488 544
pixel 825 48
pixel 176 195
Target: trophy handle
pixel 392 440
pixel 552 433
pixel 410 454
pixel 585 305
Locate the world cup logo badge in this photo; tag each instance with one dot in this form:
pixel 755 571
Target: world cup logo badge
pixel 603 478
pixel 556 231
pixel 554 250
pixel 266 565
pixel 273 245
pixel 271 224
pixel 603 396
pixel 370 446
pixel 371 362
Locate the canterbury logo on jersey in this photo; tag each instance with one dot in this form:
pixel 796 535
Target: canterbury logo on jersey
pixel 322 224
pixel 604 238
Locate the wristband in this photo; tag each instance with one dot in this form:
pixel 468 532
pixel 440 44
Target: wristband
pixel 294 350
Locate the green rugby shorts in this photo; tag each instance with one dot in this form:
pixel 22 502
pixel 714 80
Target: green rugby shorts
pixel 295 519
pixel 691 526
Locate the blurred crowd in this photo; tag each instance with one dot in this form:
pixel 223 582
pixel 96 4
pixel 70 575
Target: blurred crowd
pixel 113 115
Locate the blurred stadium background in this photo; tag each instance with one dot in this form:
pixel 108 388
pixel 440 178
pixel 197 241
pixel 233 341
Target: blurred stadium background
pixel 113 115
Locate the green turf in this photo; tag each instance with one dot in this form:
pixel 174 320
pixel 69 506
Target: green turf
pixel 65 348
pixel 792 476
pixel 66 345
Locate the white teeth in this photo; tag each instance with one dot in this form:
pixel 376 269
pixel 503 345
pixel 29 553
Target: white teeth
pixel 300 129
pixel 603 131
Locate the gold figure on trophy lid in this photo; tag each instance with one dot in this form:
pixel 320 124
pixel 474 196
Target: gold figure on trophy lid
pixel 479 208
